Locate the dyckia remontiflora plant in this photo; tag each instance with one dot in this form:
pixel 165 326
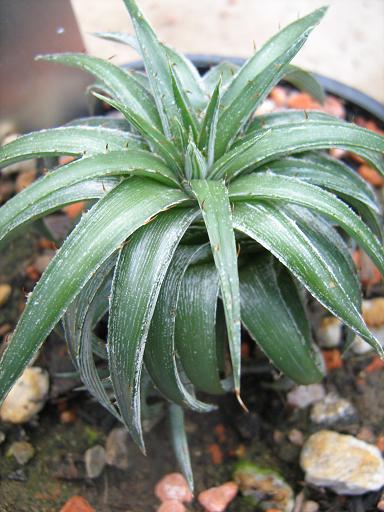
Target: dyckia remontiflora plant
pixel 203 218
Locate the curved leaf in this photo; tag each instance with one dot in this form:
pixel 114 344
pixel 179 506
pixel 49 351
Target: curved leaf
pixel 258 75
pixel 180 442
pixel 289 347
pixel 29 203
pixel 69 140
pixel 277 232
pixel 94 239
pixel 304 81
pixel 122 84
pixel 157 67
pixel 195 335
pixel 281 140
pixel 140 271
pixel 160 144
pixel 216 210
pixel 160 352
pixel 292 190
pixel 224 71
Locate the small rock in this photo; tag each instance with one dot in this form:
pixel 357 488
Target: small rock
pixel 27 397
pixel 310 506
pixel 18 475
pixel 2 437
pixel 373 311
pixel 6 190
pixel 217 499
pixel 173 487
pixel 361 347
pixel 67 469
pixel 117 448
pixel 296 437
pixel 77 504
pixel 22 451
pixel 329 333
pixel 5 293
pixel 380 505
pixel 94 459
pixel 266 107
pixel 42 262
pixel 371 175
pixel 334 107
pixel 27 176
pixel 302 396
pixel 265 487
pixel 279 95
pixel 366 434
pixel 331 410
pixel 342 463
pixel 171 506
pixel 332 359
pixel 278 436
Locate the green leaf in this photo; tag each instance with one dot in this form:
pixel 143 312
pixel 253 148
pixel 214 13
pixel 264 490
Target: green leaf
pixel 188 77
pixel 188 117
pixel 276 231
pixel 158 142
pixel 284 189
pixel 93 240
pixel 286 344
pixel 186 72
pixel 74 140
pixel 224 71
pixel 120 37
pixel 140 271
pixel 157 67
pixel 281 140
pixel 196 336
pixel 122 84
pixel 207 135
pixel 336 177
pixel 304 81
pixel 216 210
pixel 258 75
pixel 180 442
pixel 195 164
pixel 290 117
pixel 105 122
pixel 160 352
pixel 31 202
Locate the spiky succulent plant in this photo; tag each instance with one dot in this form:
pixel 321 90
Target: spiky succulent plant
pixel 202 218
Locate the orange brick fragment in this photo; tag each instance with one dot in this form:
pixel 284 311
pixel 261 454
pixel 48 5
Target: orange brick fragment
pixel 215 453
pixel 371 175
pixel 332 359
pixel 77 504
pixel 375 365
pixel 380 443
pixel 303 101
pixel 220 432
pixel 74 210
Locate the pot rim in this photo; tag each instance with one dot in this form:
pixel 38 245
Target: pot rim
pixel 364 101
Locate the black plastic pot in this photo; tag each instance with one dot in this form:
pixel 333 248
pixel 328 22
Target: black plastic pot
pixel 357 103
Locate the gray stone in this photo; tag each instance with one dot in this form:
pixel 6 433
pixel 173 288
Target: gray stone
pixel 95 460
pixel 117 448
pixel 27 397
pixel 332 409
pixel 303 396
pixel 329 332
pixel 342 463
pixel 22 451
pixel 263 486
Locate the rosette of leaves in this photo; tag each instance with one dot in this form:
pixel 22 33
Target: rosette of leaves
pixel 203 217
